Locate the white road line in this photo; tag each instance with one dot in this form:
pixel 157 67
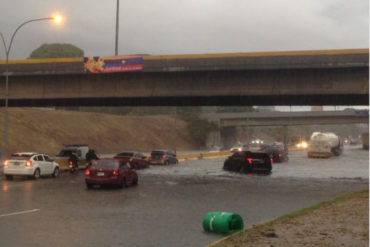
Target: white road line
pixel 20 212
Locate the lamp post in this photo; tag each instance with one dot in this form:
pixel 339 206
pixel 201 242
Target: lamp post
pixel 56 19
pixel 117 26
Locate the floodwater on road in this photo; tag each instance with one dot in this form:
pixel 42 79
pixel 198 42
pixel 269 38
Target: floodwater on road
pixel 353 163
pixel 168 205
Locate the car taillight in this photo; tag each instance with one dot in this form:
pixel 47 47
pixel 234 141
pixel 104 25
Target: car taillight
pixel 87 172
pixel 28 163
pixel 115 173
pixel 6 163
pixel 164 156
pixel 271 160
pixel 250 161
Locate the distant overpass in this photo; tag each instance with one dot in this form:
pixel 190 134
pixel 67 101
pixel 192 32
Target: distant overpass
pixel 329 77
pixel 289 118
pixel 228 122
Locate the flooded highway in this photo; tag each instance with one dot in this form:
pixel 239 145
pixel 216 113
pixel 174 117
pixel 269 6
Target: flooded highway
pixel 168 205
pixel 353 163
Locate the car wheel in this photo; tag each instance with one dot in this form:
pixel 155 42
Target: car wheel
pixel 89 186
pixel 242 170
pixel 122 184
pixel 36 174
pixel 9 177
pixel 56 172
pixel 135 182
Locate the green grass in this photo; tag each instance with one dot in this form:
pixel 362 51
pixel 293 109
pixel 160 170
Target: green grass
pixel 256 230
pixel 321 204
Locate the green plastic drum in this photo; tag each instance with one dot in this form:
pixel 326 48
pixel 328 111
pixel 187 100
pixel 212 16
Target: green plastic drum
pixel 222 222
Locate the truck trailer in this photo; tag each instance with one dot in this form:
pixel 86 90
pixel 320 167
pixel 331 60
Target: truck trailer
pixel 324 145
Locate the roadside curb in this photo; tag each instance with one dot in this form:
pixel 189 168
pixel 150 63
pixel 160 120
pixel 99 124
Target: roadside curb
pixel 236 233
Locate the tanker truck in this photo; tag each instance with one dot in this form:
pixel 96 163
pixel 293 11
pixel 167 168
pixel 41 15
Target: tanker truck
pixel 324 145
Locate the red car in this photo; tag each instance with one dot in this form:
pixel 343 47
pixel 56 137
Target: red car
pixel 137 160
pixel 110 172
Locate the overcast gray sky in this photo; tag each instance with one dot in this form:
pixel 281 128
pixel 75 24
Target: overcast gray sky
pixel 188 26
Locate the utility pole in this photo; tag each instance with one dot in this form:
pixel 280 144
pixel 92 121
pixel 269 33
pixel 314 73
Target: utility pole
pixel 117 27
pixel 175 131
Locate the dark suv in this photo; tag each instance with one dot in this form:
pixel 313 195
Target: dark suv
pixel 162 157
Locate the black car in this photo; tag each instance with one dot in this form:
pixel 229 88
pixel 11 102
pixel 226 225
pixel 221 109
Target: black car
pixel 162 157
pixel 277 151
pixel 248 162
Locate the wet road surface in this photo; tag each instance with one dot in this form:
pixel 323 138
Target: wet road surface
pixel 168 205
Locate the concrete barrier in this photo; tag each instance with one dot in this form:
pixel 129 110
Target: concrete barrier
pixel 208 155
pixel 183 157
pixel 213 155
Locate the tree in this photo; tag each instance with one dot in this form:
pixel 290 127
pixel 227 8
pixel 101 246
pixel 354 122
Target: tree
pixel 199 129
pixel 57 51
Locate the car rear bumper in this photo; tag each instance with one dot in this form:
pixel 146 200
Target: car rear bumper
pixel 103 181
pixel 26 171
pixel 156 162
pixel 319 154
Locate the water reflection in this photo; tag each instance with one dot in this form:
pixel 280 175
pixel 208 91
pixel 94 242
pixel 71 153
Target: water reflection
pixel 5 187
pixel 28 186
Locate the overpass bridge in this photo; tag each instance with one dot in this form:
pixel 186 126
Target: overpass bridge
pixel 275 118
pixel 327 77
pixel 228 122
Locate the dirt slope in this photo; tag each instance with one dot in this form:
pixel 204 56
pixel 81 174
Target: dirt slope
pixel 46 130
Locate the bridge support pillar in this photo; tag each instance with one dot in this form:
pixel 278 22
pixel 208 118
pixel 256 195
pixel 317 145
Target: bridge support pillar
pixel 285 135
pixel 228 136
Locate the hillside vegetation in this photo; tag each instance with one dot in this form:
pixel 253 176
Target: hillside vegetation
pixel 46 130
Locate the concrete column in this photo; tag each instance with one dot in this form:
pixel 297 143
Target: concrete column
pixel 285 135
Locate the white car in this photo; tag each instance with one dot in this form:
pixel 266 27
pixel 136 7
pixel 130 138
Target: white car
pixel 30 164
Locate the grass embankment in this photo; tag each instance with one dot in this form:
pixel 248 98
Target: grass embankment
pixel 46 130
pixel 343 221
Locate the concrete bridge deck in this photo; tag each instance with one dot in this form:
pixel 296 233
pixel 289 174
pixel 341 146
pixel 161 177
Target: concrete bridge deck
pixel 348 116
pixel 333 77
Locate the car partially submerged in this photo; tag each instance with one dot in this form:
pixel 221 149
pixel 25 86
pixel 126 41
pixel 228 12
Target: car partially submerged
pixel 109 171
pixel 276 150
pixel 249 162
pixel 162 157
pixel 137 160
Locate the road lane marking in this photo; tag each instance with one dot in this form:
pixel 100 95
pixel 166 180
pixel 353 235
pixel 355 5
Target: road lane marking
pixel 20 212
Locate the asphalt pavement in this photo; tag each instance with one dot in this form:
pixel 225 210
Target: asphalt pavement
pixel 168 205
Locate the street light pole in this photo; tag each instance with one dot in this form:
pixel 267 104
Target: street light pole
pixel 7 53
pixel 175 132
pixel 117 27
